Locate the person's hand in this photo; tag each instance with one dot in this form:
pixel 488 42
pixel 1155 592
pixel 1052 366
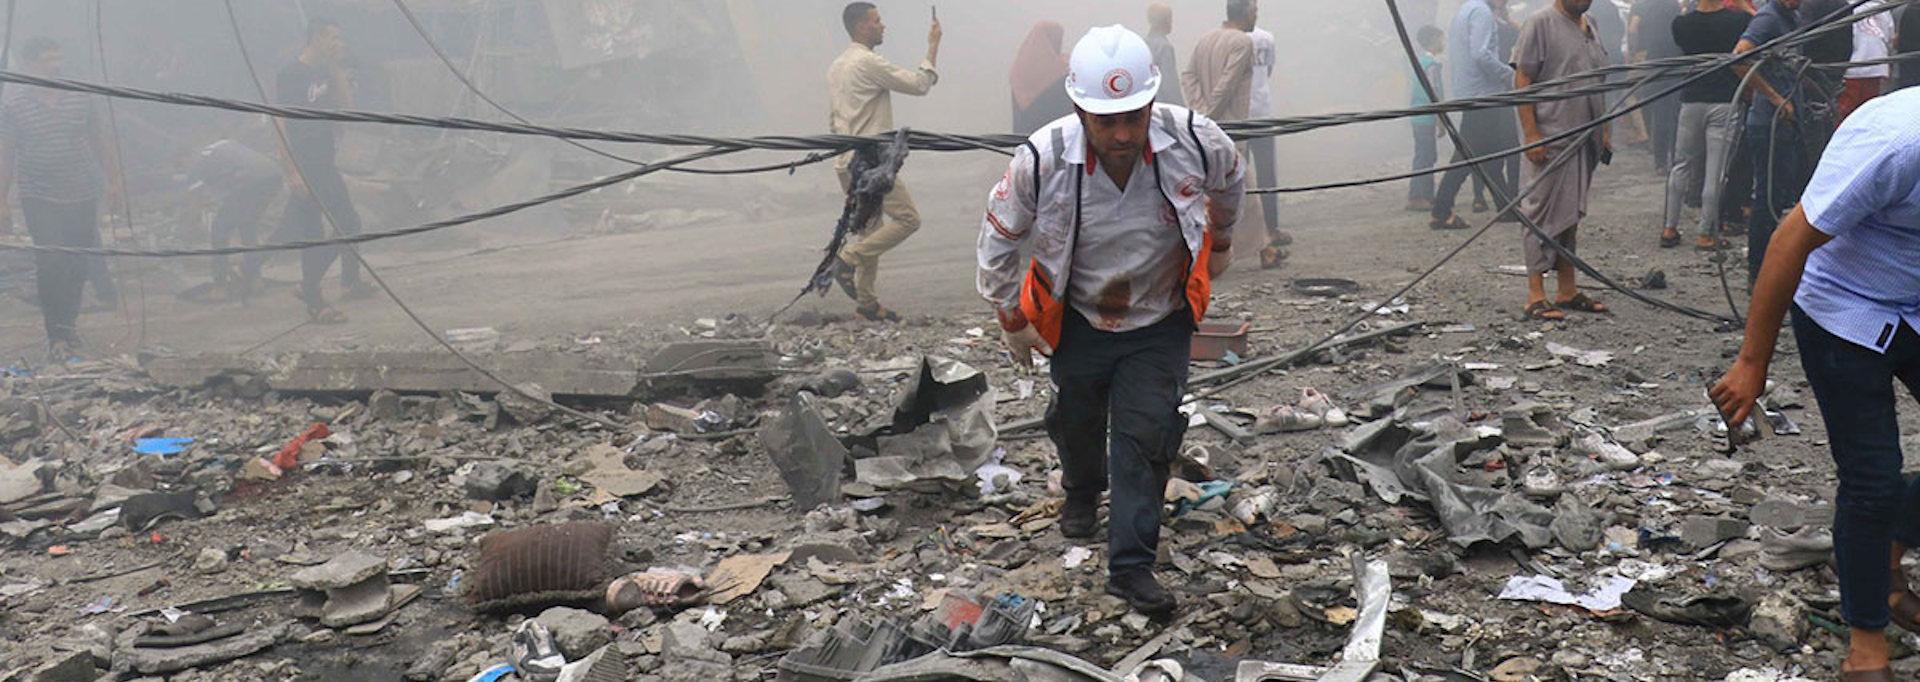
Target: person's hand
pixel 1737 391
pixel 1786 109
pixel 934 33
pixel 1023 342
pixel 1536 154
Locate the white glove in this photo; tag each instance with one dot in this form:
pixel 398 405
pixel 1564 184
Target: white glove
pixel 1023 343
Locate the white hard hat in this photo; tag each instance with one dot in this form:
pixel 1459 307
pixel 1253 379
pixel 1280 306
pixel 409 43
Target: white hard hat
pixel 1112 71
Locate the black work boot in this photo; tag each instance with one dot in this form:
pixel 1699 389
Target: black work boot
pixel 1078 518
pixel 1141 591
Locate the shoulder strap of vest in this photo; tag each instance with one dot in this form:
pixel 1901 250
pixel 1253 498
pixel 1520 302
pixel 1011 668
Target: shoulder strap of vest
pixel 1200 149
pixel 1035 152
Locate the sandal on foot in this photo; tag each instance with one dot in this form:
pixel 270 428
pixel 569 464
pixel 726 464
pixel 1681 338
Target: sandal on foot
pixel 1717 245
pixel 843 276
pixel 1905 609
pixel 1453 222
pixel 1271 257
pixel 878 313
pixel 1669 238
pixel 1280 238
pixel 1584 304
pixel 1480 206
pixel 1732 229
pixel 1542 310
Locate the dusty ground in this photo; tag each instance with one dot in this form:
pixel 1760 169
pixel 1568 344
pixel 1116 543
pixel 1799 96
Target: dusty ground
pixel 640 288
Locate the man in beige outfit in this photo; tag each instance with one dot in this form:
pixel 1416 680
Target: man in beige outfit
pixel 861 84
pixel 1218 83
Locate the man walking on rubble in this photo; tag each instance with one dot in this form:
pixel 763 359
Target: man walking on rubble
pixel 57 142
pixel 861 85
pixel 1845 259
pixel 318 195
pixel 1126 208
pixel 1219 84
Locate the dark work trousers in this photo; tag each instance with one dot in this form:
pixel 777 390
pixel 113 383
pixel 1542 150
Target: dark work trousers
pixel 1426 151
pixel 305 220
pixel 104 290
pixel 1874 507
pixel 61 277
pixel 1776 173
pixel 1265 164
pixel 1486 131
pixel 1663 126
pixel 1115 420
pixel 239 217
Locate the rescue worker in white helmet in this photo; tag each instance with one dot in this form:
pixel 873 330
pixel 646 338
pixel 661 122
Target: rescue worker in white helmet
pixel 1126 208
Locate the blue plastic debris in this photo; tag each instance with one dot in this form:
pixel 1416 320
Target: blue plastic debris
pixel 492 674
pixel 161 446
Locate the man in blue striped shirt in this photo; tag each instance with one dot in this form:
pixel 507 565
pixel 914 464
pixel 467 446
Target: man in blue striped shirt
pixel 1848 258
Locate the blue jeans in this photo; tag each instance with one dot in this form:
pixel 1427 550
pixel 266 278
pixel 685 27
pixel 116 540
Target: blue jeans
pixel 1426 151
pixel 1776 184
pixel 1875 507
pixel 1115 419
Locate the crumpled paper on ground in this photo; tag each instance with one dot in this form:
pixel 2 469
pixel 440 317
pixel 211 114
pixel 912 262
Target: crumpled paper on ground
pixel 1603 596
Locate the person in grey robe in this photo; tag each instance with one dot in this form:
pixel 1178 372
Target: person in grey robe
pixel 1558 41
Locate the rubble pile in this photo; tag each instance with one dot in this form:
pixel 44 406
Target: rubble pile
pixel 839 500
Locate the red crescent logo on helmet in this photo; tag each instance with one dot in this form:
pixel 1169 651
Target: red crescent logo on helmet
pixel 1119 83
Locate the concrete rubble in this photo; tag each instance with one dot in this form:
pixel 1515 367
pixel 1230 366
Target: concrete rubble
pixel 1573 470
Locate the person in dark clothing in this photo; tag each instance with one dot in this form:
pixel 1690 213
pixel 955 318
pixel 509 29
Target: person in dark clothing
pixel 1907 41
pixel 57 142
pixel 244 181
pixel 1650 37
pixel 319 193
pixel 1833 47
pixel 1038 70
pixel 1772 128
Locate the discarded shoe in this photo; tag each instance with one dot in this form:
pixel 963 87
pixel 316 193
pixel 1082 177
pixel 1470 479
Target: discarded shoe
pixel 1541 481
pixel 1806 548
pixel 1614 455
pixel 1141 591
pixel 662 588
pixel 1318 404
pixel 534 654
pixel 1287 419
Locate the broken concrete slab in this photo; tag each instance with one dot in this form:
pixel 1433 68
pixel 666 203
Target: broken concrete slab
pixel 576 632
pixel 1700 532
pixel 339 572
pixel 165 661
pixel 564 374
pixel 19 482
pixel 732 365
pixel 357 603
